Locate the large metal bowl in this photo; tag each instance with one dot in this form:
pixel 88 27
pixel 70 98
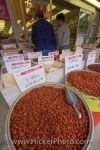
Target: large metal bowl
pixel 91 124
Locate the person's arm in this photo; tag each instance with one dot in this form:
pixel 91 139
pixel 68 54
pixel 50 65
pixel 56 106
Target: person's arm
pixel 53 37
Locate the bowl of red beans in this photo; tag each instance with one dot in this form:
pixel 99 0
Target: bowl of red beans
pixel 94 67
pixel 41 119
pixel 84 81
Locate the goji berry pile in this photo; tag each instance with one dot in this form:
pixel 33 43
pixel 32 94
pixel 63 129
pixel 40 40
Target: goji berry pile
pixel 94 67
pixel 85 81
pixel 43 114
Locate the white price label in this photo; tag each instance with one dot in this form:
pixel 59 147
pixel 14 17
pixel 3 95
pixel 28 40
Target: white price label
pixel 9 46
pixel 73 63
pixel 14 67
pixel 91 58
pixel 8 52
pixel 33 55
pixel 45 60
pixel 79 40
pixel 13 58
pixel 66 53
pixel 79 50
pixel 53 53
pixel 30 77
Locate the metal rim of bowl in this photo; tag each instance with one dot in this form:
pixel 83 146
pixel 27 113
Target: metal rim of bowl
pixel 57 85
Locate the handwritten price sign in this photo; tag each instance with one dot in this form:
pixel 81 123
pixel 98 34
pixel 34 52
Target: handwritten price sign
pixel 53 53
pixel 73 62
pixel 91 58
pixel 66 53
pixel 45 60
pixel 14 67
pixel 33 55
pixel 30 77
pixel 8 46
pixel 13 58
pixel 79 50
pixel 8 52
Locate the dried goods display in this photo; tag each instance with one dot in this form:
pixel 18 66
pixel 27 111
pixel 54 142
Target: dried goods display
pixel 43 114
pixel 85 81
pixel 94 67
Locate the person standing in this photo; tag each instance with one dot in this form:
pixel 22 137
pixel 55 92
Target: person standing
pixel 63 33
pixel 43 36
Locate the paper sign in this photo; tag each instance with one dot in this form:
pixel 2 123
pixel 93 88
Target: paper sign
pixel 33 55
pixel 79 50
pixel 53 53
pixel 73 63
pixel 8 52
pixel 9 46
pixel 13 58
pixel 45 60
pixel 79 40
pixel 66 53
pixel 91 58
pixel 14 67
pixel 30 77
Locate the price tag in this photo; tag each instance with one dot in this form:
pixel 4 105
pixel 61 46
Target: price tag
pixel 30 77
pixel 79 50
pixel 9 46
pixel 33 55
pixel 8 52
pixel 45 60
pixel 79 40
pixel 66 53
pixel 53 53
pixel 13 58
pixel 91 58
pixel 73 63
pixel 14 67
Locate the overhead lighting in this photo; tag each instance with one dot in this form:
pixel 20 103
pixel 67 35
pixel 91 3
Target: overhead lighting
pixel 94 2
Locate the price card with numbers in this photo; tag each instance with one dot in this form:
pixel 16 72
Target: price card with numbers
pixel 30 77
pixel 66 53
pixel 9 46
pixel 13 58
pixel 54 53
pixel 14 67
pixel 73 62
pixel 33 55
pixel 45 60
pixel 79 50
pixel 91 58
pixel 8 52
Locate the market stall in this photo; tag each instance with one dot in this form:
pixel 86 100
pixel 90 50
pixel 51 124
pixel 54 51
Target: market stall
pixel 22 70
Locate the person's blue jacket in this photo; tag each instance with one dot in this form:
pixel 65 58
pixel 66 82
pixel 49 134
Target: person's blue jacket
pixel 43 36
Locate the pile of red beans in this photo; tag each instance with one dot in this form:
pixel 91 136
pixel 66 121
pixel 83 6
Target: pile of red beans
pixel 85 81
pixel 94 67
pixel 43 114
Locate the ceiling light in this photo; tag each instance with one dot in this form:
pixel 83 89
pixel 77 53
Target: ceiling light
pixel 94 2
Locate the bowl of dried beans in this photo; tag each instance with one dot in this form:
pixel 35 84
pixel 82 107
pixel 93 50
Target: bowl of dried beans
pixel 85 81
pixel 94 67
pixel 41 119
pixel 87 84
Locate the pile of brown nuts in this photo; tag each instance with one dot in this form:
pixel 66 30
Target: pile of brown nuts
pixel 42 120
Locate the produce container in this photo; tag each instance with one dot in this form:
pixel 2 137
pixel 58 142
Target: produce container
pixel 94 67
pixel 92 101
pixel 55 86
